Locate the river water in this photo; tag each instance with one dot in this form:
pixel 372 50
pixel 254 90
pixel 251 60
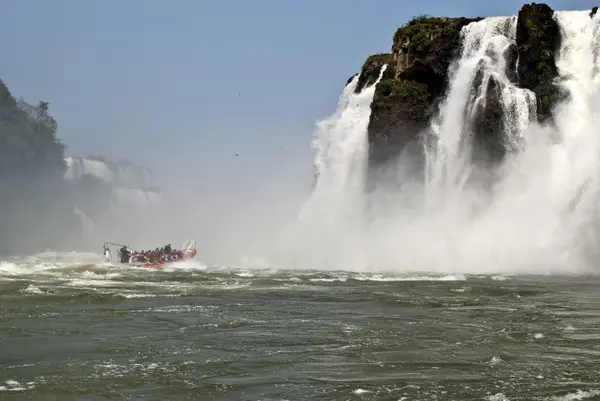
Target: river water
pixel 75 329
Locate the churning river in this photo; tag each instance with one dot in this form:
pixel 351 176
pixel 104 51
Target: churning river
pixel 72 329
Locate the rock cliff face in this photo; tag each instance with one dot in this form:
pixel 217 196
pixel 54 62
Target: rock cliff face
pixel 416 80
pixel 538 39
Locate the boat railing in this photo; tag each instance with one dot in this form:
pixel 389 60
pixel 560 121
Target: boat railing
pixel 185 247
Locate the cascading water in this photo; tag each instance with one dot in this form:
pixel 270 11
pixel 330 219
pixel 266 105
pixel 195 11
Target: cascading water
pixel 342 146
pixel 485 43
pixel 577 120
pixel 335 207
pixel 539 215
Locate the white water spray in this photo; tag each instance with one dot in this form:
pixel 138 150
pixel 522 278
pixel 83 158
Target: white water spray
pixel 335 208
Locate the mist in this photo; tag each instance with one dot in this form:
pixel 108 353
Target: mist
pixel 535 212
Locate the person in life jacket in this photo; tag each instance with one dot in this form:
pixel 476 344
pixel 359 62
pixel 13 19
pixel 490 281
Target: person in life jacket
pixel 106 253
pixel 124 254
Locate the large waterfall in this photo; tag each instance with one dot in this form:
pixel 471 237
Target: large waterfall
pixel 535 212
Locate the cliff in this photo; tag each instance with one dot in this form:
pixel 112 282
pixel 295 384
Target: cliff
pixel 48 200
pixel 33 211
pixel 538 39
pixel 417 79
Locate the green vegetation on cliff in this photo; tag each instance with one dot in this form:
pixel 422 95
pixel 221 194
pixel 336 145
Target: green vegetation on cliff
pixel 33 210
pixel 411 93
pixel 371 69
pixel 424 34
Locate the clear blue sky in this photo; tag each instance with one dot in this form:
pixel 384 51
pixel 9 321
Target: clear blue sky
pixel 164 76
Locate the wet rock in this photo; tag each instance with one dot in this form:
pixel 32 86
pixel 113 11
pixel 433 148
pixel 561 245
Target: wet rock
pixel 511 55
pixel 538 40
pixel 350 79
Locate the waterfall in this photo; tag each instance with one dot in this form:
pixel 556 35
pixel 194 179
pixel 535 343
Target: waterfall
pixel 341 161
pixel 531 207
pixel 335 208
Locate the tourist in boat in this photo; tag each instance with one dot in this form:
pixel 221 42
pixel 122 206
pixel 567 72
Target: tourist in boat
pixel 125 254
pixel 156 256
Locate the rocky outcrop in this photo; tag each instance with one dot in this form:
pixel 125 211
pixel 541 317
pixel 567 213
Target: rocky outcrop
pixel 416 79
pixel 405 98
pixel 538 40
pixel 370 70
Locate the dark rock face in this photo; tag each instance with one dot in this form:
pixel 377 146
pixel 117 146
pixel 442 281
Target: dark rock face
pixel 488 126
pixel 400 110
pixel 511 55
pixel 538 40
pixel 406 97
pixel 351 78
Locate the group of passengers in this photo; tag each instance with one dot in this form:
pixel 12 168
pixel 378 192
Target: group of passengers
pixel 159 255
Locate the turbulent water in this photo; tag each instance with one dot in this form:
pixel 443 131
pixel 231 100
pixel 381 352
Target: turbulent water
pixel 440 290
pixel 73 329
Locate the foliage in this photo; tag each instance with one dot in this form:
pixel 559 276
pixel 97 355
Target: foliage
pixel 37 203
pixel 424 33
pixel 411 93
pixel 32 167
